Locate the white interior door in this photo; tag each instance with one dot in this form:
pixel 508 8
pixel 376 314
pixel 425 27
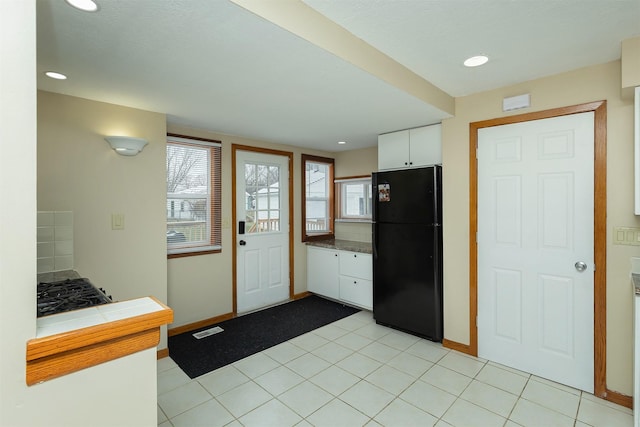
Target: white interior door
pixel 535 247
pixel 262 257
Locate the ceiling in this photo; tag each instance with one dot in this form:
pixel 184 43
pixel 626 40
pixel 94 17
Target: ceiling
pixel 234 67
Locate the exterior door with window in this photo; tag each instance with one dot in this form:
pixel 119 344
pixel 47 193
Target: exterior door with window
pixel 262 213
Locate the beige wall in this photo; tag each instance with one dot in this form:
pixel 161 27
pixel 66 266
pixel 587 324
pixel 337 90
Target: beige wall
pixel 78 171
pixel 201 287
pixel 600 82
pixel 355 163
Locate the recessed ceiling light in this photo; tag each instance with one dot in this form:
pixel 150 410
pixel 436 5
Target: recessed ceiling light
pixel 86 5
pixel 54 75
pixel 476 61
pixel 342 142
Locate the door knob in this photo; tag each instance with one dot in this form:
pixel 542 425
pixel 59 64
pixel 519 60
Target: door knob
pixel 580 266
pixel 242 242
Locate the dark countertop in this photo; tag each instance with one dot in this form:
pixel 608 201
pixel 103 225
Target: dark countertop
pixel 343 245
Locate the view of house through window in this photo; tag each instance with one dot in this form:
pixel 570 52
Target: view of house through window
pixel 354 198
pixel 262 195
pixel 193 195
pixel 317 206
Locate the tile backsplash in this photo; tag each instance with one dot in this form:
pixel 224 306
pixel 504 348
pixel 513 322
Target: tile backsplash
pixel 55 241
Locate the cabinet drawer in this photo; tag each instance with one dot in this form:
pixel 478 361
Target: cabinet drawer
pixel 357 291
pixel 356 265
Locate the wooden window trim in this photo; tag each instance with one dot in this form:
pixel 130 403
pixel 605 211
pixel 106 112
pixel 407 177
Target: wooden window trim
pixel 331 211
pixel 338 197
pixel 215 206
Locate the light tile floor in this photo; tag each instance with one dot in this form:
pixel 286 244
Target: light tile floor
pixel 354 372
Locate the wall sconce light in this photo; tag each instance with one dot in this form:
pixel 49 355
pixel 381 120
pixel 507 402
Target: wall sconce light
pixel 126 145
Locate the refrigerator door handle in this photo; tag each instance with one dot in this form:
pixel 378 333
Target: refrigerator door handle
pixel 374 243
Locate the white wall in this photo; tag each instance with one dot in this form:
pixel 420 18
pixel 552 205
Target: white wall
pixel 121 392
pixel 17 226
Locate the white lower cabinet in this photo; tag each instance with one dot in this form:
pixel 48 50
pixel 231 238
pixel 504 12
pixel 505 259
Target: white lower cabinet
pixel 322 272
pixel 341 275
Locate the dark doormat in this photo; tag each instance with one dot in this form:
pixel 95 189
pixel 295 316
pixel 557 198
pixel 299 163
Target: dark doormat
pixel 252 333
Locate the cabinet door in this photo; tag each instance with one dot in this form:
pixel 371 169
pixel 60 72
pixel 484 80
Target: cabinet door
pixel 356 265
pixel 322 272
pixel 425 146
pixel 357 291
pixel 393 150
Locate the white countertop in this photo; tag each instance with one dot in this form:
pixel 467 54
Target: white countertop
pixel 96 315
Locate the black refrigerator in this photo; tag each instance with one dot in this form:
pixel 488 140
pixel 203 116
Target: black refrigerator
pixel 407 250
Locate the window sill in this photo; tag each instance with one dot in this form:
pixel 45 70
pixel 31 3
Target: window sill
pixel 193 253
pixel 362 221
pixel 314 237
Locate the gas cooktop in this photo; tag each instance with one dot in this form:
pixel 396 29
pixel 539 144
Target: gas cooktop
pixel 67 295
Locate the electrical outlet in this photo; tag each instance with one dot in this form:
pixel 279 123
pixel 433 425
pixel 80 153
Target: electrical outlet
pixel 117 221
pixel 626 236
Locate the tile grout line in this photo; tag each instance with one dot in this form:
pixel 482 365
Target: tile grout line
pixel 401 350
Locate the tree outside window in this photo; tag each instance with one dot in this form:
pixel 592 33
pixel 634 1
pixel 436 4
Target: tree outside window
pixel 193 195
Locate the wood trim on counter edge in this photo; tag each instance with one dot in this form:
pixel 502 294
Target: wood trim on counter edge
pixel 60 354
pixel 64 363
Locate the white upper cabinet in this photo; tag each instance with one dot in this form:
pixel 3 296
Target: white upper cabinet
pixel 393 150
pixel 411 148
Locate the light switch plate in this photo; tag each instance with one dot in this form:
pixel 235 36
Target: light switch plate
pixel 626 236
pixel 117 221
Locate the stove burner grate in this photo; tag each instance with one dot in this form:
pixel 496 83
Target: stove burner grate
pixel 67 295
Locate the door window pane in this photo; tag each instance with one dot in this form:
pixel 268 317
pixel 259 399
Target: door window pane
pixel 262 196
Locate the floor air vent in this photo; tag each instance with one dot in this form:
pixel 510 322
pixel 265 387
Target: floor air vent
pixel 208 332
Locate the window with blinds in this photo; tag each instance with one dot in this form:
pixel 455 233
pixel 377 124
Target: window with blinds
pixel 193 196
